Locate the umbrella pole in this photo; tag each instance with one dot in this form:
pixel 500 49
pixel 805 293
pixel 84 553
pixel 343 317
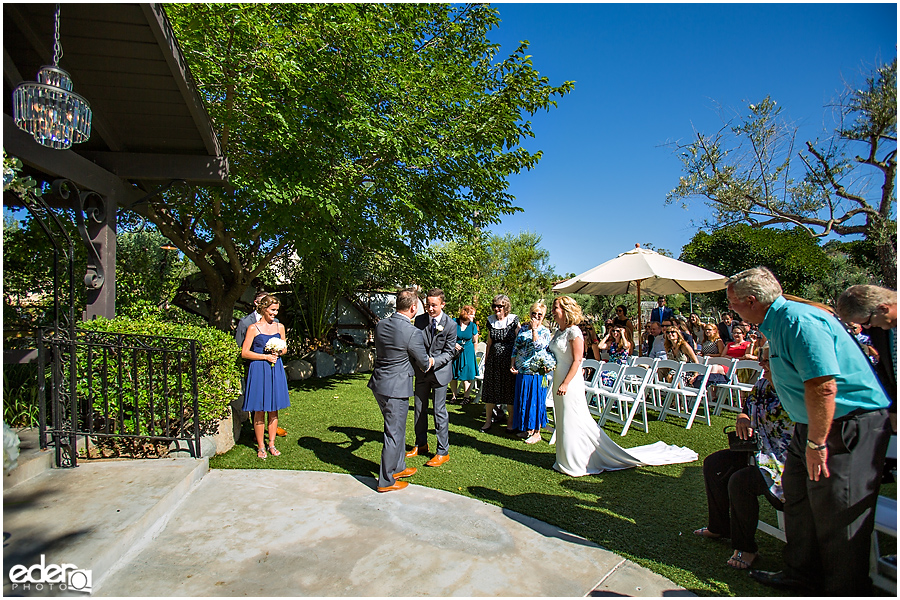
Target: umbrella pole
pixel 640 328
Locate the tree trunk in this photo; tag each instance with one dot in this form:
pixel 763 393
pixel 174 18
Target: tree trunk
pixel 222 298
pixel 880 232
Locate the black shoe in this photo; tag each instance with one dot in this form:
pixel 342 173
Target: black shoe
pixel 777 579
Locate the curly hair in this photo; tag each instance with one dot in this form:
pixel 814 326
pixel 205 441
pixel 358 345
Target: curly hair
pixel 571 310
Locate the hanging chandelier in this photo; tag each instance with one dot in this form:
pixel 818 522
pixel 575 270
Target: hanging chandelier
pixel 48 109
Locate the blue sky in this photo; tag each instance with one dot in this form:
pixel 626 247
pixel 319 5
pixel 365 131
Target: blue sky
pixel 647 74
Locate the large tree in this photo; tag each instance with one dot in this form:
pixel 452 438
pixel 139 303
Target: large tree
pixel 754 170
pixel 376 127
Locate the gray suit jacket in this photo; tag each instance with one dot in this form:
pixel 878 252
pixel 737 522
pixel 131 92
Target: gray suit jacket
pixel 441 347
pixel 397 344
pixel 243 325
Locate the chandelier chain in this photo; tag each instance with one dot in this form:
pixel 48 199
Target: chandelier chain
pixel 57 47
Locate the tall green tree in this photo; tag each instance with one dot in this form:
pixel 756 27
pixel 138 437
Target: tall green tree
pixel 755 170
pixel 372 127
pixel 796 258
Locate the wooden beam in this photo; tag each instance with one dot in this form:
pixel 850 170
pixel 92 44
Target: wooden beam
pixel 159 23
pixel 161 167
pixel 67 165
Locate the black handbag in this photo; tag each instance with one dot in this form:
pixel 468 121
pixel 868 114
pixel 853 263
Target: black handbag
pixel 736 444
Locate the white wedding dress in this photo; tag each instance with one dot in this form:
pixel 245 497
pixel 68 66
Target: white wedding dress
pixel 583 448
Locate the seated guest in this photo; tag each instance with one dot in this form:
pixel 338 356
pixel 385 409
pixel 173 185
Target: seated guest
pixel 590 340
pixel 661 312
pixel 678 349
pixel 865 342
pixel 617 344
pixel 712 344
pixel 682 325
pixel 725 327
pixel 695 327
pixel 657 343
pixel 740 347
pixel 623 320
pixel 733 486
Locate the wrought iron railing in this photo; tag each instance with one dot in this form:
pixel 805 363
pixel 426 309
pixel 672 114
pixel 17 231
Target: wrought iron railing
pixel 108 388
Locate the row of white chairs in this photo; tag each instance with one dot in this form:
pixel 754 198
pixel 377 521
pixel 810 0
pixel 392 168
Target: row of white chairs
pixel 661 385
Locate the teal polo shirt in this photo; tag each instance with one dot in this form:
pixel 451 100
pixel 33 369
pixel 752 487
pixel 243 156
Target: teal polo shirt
pixel 806 342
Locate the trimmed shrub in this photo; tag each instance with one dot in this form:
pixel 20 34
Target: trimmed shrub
pixel 219 371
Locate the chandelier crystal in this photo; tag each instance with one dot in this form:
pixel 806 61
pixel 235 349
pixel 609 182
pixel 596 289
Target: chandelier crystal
pixel 48 109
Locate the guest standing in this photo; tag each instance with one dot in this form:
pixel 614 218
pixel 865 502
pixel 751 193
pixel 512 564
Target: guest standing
pixel 464 365
pixel 530 407
pixel 834 462
pixel 267 390
pixel 499 383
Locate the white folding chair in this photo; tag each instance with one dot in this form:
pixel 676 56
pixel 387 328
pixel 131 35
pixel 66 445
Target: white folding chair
pixel 693 397
pixel 479 373
pixel 630 388
pixel 594 390
pixel 750 370
pixel 660 382
pixel 882 571
pixel 551 408
pixel 641 361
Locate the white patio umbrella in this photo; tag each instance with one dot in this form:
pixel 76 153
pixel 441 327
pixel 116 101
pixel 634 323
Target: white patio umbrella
pixel 643 270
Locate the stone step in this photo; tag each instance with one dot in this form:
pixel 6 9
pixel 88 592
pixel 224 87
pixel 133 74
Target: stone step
pixel 91 516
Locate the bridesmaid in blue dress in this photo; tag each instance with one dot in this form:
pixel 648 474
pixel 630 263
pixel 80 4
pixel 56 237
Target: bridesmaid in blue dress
pixel 267 390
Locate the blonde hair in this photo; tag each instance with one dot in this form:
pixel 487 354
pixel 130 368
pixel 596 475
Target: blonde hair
pixel 538 305
pixel 571 310
pixel 669 346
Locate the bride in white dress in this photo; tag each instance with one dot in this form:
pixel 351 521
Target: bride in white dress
pixel 583 448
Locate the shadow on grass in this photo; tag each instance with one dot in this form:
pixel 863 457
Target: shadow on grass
pixel 315 384
pixel 342 454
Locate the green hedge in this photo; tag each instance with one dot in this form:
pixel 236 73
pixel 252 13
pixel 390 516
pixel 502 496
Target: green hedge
pixel 219 367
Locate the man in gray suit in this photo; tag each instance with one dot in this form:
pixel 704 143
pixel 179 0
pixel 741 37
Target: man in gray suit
pixel 439 333
pixel 397 344
pixel 239 334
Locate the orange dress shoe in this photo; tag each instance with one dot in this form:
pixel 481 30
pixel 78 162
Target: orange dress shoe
pixel 398 485
pixel 405 472
pixel 438 460
pixel 280 432
pixel 417 450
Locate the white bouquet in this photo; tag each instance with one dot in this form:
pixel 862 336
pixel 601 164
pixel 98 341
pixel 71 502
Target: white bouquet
pixel 275 346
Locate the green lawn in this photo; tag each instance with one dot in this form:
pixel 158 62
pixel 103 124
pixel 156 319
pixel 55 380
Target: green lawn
pixel 646 514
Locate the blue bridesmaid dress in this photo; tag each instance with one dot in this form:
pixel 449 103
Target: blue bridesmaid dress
pixel 267 388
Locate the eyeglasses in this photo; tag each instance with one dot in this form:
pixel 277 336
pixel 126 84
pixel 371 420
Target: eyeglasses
pixel 537 314
pixel 867 323
pixel 496 306
pixel 671 333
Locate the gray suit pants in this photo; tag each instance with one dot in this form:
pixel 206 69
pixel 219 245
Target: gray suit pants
pixel 393 455
pixel 829 523
pixel 424 391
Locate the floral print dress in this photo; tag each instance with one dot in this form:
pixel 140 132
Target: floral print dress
pixel 775 429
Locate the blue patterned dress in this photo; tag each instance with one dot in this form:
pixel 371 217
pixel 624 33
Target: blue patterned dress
pixel 530 394
pixel 267 388
pixel 775 429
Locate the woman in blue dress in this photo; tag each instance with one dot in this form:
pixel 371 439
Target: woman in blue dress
pixel 464 367
pixel 530 406
pixel 267 390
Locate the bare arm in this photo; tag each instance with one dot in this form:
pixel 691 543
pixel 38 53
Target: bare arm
pixel 577 353
pixel 686 348
pixel 819 394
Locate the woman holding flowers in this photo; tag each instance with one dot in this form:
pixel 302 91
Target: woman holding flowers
pixel 530 361
pixel 267 390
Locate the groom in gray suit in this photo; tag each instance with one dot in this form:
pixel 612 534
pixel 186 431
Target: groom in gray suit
pixel 397 344
pixel 439 333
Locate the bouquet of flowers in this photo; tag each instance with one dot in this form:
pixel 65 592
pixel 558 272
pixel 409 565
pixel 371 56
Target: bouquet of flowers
pixel 275 346
pixel 542 363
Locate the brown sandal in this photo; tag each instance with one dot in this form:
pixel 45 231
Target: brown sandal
pixel 738 557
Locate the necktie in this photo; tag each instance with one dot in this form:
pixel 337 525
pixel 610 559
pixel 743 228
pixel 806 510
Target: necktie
pixel 433 324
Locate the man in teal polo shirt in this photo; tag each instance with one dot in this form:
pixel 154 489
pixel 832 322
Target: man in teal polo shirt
pixel 833 468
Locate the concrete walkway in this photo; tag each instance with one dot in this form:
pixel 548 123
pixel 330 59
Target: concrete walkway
pixel 174 528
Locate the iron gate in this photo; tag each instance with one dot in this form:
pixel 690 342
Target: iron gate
pixel 108 387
